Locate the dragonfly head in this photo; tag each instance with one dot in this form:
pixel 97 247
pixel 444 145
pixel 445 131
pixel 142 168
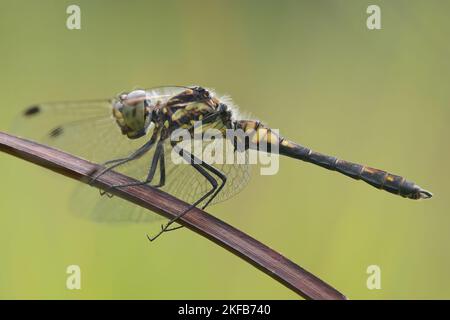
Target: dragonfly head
pixel 133 114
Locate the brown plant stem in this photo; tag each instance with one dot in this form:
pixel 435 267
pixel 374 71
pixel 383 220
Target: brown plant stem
pixel 259 255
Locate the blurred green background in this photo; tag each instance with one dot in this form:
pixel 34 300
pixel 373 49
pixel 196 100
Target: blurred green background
pixel 310 68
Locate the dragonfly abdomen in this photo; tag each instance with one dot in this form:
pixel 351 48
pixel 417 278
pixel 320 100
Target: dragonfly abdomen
pixel 261 135
pixel 375 177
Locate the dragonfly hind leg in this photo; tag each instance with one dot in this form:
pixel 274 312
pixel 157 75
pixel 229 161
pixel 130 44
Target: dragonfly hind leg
pixel 222 177
pixel 205 170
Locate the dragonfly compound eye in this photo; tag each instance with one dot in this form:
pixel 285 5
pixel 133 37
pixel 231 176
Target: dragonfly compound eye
pixel 135 97
pixel 131 113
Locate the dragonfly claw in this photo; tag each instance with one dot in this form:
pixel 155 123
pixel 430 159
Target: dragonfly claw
pixel 151 239
pixel 163 229
pixel 103 193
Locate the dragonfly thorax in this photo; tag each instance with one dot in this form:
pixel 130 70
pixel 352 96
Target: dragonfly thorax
pixel 132 113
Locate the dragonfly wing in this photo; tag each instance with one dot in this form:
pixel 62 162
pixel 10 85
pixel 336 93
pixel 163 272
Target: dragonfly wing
pixel 187 184
pixel 88 204
pixel 88 130
pixel 191 185
pixel 84 128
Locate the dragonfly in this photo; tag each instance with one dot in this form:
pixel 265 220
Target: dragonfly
pixel 131 133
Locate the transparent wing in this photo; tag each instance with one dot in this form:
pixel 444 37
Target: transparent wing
pixel 186 183
pixel 87 203
pixel 88 130
pixel 182 181
pixel 84 128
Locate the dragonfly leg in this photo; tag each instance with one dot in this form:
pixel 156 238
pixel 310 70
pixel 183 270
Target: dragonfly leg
pixel 162 171
pixel 118 162
pixel 165 228
pixel 222 177
pixel 158 157
pixel 202 168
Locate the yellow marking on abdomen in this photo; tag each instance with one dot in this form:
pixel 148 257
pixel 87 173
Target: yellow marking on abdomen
pixel 178 114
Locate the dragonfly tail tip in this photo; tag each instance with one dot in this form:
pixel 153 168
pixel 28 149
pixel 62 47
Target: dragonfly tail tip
pixel 424 194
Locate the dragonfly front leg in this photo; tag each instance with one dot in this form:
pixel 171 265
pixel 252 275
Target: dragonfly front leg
pixel 162 171
pixel 158 157
pixel 118 162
